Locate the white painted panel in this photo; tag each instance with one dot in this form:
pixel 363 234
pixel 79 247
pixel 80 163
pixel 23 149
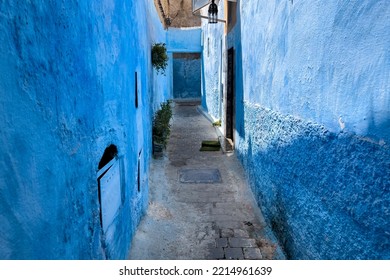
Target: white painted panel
pixel 110 191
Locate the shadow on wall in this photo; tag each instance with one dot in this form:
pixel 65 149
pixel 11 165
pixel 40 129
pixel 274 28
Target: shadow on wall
pixel 239 90
pixel 325 195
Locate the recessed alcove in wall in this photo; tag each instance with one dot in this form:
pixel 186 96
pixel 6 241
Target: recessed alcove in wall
pixel 186 75
pixel 109 186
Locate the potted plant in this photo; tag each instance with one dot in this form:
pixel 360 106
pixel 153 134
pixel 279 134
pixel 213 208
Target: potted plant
pixel 161 128
pixel 159 57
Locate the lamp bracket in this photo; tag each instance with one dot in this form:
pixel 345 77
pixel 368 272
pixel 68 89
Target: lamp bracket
pixel 220 20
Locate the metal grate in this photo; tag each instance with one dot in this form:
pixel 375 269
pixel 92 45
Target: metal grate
pixel 199 176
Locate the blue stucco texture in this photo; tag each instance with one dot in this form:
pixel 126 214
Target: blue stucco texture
pixel 66 93
pixel 312 123
pixel 186 77
pixel 333 71
pixel 325 195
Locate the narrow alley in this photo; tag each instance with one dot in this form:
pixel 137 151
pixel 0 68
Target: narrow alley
pixel 189 218
pixel 299 89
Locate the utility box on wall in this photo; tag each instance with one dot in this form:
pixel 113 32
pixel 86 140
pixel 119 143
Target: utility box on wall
pixel 110 192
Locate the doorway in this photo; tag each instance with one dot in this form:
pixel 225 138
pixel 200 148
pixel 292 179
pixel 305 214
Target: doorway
pixel 186 76
pixel 230 96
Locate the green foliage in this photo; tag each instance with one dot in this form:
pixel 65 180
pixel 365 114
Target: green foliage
pixel 161 126
pixel 210 145
pixel 217 123
pixel 159 57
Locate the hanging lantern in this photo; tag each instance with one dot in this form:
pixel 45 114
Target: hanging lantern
pixel 213 12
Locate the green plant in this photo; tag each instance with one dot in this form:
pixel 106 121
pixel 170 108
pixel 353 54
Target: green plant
pixel 217 123
pixel 159 57
pixel 161 126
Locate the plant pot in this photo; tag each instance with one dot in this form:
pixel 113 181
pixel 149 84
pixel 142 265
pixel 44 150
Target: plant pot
pixel 158 149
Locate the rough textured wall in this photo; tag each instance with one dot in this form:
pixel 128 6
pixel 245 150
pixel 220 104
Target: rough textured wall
pixel 176 13
pixel 163 11
pixel 186 75
pixel 180 13
pixel 326 195
pixel 323 61
pixel 67 91
pixel 312 121
pixel 314 131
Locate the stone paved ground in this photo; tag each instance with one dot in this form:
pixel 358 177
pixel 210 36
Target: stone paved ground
pixel 200 220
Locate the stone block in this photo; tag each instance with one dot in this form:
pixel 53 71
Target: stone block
pixel 227 232
pixel 235 242
pixel 228 224
pixel 241 233
pixel 234 254
pixel 216 254
pixel 252 254
pixel 221 242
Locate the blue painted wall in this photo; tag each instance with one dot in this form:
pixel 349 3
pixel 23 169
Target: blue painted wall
pixel 178 40
pixel 66 93
pixel 185 40
pixel 325 195
pixel 313 121
pixel 213 50
pixel 184 74
pixel 187 76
